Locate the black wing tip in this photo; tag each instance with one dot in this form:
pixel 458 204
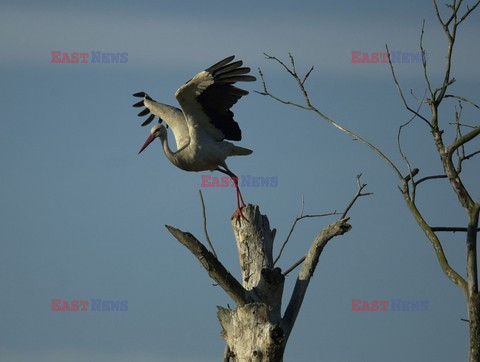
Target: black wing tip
pixel 145 111
pixel 235 78
pixel 142 95
pixel 220 64
pixel 228 72
pixel 149 120
pixel 139 104
pixel 228 59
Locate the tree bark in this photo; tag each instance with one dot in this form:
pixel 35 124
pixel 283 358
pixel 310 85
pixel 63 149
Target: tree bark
pixel 474 327
pixel 255 330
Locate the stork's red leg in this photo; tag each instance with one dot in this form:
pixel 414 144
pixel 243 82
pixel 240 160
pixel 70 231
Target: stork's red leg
pixel 239 195
pixel 237 215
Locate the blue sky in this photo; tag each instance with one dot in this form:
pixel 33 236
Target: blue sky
pixel 83 215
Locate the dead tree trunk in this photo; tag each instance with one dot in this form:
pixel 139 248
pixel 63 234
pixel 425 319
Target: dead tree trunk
pixel 256 330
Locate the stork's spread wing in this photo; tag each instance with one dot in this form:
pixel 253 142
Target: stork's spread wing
pixel 207 98
pixel 146 110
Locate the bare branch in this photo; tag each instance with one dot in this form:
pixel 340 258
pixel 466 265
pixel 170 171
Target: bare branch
pixel 429 178
pixel 469 10
pixel 297 219
pixel 212 265
pixel 438 14
pixel 462 99
pixel 437 246
pixel 307 75
pixel 267 93
pixel 399 145
pixel 309 106
pixel 294 266
pixel 339 227
pixel 357 195
pixel 424 61
pixel 464 139
pixel 467 157
pixel 451 35
pixel 401 92
pixel 462 125
pixel 412 174
pixel 205 225
pixel 344 215
pixel 461 150
pixel 280 62
pixel 452 229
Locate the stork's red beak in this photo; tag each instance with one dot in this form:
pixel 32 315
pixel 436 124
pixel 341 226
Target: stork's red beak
pixel 147 142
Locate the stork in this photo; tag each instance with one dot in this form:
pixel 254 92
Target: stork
pixel 204 122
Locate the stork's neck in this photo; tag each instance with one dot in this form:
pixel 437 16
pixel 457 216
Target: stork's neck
pixel 174 157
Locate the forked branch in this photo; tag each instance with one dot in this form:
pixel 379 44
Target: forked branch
pixel 212 265
pixel 310 107
pixel 357 195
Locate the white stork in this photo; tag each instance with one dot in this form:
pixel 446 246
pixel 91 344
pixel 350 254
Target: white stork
pixel 204 121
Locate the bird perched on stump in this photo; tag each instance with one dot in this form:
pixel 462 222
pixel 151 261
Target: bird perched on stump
pixel 204 122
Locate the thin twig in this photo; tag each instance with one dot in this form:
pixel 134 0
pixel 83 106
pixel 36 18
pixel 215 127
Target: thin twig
pixel 307 75
pixel 429 178
pixel 464 139
pixel 424 60
pixel 357 195
pixel 461 150
pixel 297 263
pixel 213 266
pixel 297 219
pixel 309 106
pixel 401 92
pixel 462 125
pixel 452 229
pixel 467 157
pixel 469 10
pixel 205 225
pixel 399 144
pixel 267 93
pixel 462 99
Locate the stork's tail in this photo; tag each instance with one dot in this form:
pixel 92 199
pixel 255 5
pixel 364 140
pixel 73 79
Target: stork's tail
pixel 240 151
pixel 146 110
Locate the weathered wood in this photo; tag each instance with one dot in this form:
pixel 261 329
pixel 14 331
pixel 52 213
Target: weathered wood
pixel 254 244
pixel 339 227
pixel 255 329
pixel 250 334
pixel 213 266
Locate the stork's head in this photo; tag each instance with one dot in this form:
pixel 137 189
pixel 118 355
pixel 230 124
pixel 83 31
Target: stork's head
pixel 157 131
